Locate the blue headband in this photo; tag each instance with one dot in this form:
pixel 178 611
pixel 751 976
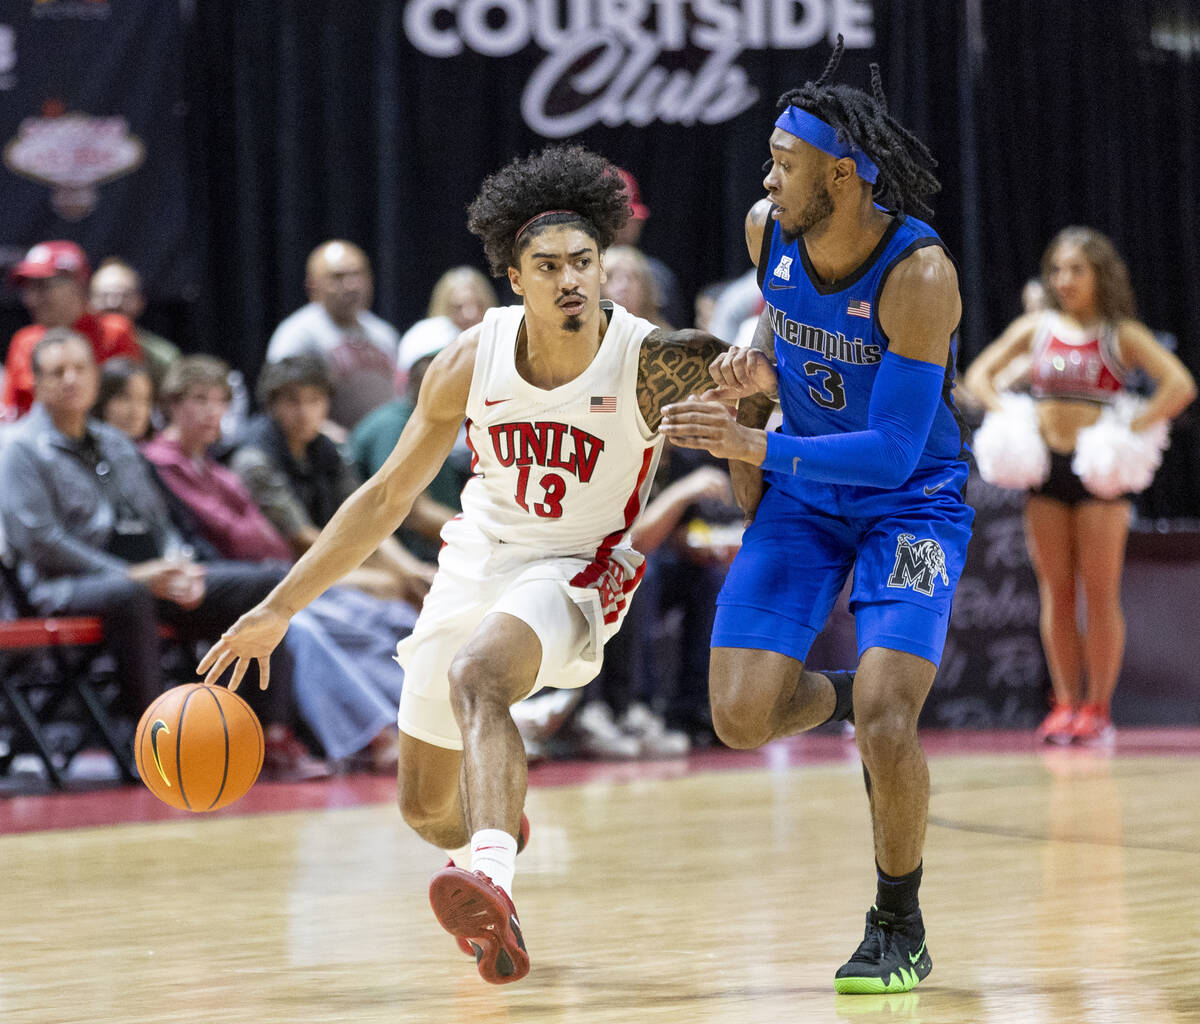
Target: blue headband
pixel 817 133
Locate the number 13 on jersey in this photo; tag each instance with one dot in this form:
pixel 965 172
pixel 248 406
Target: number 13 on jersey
pixel 553 488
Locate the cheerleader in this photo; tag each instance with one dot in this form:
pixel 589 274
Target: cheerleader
pixel 1080 445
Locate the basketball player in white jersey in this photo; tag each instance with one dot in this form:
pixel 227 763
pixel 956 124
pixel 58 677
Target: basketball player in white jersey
pixel 563 397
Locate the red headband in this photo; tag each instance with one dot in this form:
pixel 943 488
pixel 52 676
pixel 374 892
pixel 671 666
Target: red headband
pixel 538 216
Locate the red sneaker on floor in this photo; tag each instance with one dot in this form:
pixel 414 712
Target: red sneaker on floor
pixel 522 842
pixel 469 906
pixel 1092 726
pixel 1056 727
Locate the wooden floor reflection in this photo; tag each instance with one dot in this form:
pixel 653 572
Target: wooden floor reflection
pixel 1059 887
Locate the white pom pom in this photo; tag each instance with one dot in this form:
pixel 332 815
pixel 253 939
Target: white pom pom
pixel 1008 445
pixel 1113 460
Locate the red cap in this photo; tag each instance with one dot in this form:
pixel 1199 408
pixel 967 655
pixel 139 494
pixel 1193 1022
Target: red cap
pixel 637 209
pixel 48 259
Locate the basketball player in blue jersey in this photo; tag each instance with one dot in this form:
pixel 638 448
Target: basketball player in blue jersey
pixel 856 345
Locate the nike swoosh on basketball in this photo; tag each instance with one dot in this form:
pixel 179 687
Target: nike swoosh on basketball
pixel 159 726
pixel 495 401
pixel 935 488
pixel 778 287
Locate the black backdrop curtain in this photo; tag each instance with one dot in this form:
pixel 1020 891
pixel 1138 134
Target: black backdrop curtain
pixel 311 119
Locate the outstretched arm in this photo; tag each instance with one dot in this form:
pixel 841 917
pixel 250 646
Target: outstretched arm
pixel 369 515
pixel 919 311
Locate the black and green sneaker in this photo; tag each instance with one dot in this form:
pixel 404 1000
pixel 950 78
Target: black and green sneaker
pixel 891 958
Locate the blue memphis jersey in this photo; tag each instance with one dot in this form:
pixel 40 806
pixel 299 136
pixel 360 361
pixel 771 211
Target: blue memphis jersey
pixel 828 342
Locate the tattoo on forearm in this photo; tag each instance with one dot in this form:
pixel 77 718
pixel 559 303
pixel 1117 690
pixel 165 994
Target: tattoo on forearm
pixel 673 365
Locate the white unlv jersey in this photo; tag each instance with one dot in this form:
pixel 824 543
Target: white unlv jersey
pixel 564 471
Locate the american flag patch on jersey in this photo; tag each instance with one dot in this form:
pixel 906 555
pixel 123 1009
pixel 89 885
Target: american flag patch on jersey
pixel 607 403
pixel 859 307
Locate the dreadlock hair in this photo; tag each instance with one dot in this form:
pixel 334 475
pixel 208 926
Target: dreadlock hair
pixel 905 164
pixel 579 186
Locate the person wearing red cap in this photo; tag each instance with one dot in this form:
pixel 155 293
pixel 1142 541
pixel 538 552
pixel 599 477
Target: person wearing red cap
pixel 53 279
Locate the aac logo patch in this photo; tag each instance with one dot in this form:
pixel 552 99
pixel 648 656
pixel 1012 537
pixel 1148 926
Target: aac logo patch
pixel 918 564
pixel 783 269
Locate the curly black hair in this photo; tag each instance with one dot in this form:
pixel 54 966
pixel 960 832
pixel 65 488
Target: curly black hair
pixel 581 185
pixel 905 164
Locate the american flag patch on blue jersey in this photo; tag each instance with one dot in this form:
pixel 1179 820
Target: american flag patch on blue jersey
pixel 859 307
pixel 607 403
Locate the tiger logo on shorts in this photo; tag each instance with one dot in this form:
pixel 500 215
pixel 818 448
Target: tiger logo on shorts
pixel 917 564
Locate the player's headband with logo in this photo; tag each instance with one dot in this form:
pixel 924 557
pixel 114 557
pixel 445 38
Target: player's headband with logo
pixel 817 133
pixel 538 216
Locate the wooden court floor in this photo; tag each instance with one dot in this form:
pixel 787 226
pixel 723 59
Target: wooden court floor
pixel 1060 886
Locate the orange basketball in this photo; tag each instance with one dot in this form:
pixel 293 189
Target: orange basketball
pixel 199 747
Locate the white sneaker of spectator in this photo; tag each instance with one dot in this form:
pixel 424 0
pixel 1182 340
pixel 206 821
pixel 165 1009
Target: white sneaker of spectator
pixel 598 735
pixel 539 717
pixel 652 734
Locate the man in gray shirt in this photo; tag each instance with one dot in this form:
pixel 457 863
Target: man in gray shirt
pixel 93 536
pixel 358 347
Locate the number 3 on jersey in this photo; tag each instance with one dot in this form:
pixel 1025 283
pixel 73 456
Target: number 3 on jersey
pixel 827 391
pixel 553 488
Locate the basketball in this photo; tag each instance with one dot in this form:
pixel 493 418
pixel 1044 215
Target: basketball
pixel 199 748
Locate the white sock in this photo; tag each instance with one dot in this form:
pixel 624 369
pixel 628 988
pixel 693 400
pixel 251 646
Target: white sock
pixel 494 852
pixel 461 856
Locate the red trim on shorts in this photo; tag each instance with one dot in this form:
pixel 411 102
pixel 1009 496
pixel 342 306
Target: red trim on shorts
pixel 595 572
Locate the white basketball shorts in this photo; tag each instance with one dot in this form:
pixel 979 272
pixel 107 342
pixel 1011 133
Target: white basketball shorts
pixel 477 577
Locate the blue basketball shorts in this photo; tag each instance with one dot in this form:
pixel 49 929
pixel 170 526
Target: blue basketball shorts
pixel 906 549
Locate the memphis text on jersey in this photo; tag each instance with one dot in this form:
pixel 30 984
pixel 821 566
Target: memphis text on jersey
pixel 831 346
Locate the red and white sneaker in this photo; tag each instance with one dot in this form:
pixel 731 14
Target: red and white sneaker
pixel 1093 726
pixel 1057 726
pixel 471 907
pixel 522 841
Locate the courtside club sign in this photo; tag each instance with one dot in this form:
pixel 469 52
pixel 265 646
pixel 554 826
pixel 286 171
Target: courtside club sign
pixel 605 60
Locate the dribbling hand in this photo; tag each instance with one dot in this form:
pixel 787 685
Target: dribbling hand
pixel 252 638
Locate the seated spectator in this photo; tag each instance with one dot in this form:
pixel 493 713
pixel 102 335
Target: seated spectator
pixel 117 288
pixel 631 283
pixel 94 537
pixel 346 681
pixel 126 398
pixel 372 442
pixel 690 547
pixel 297 476
pixel 337 326
pixel 458 301
pixel 705 306
pixel 649 701
pixel 52 279
pixel 739 302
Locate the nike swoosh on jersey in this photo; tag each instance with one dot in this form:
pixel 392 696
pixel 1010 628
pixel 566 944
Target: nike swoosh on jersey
pixel 495 401
pixel 935 488
pixel 778 287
